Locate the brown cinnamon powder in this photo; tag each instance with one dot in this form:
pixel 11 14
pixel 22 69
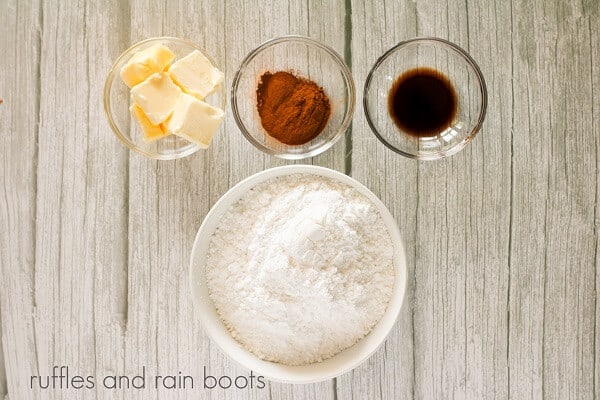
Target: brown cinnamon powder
pixel 292 110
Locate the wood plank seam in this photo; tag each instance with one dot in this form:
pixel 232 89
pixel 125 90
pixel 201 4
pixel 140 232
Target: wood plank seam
pixel 596 342
pixel 511 200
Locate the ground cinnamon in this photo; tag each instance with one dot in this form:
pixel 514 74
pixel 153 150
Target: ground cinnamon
pixel 292 110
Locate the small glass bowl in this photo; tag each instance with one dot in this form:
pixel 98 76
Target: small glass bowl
pixel 117 102
pixel 306 58
pixel 451 61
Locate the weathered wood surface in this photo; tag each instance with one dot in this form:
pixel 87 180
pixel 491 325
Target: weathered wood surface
pixel 501 239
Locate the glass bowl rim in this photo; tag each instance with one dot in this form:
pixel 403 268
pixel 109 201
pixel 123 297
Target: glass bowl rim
pixel 480 80
pixel 346 74
pixel 112 74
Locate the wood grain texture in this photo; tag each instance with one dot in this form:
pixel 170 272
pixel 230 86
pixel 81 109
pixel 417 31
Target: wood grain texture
pixel 107 186
pixel 464 257
pixel 452 333
pixel 376 26
pixel 20 30
pixel 552 290
pixel 81 216
pixel 502 239
pixel 569 298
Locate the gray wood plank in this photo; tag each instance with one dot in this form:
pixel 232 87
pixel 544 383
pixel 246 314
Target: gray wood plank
pixel 19 89
pixel 529 191
pixel 488 210
pixel 552 239
pixel 106 221
pixel 569 297
pixel 462 242
pixel 60 197
pixel 81 219
pixel 450 340
pixel 376 26
pixel 49 321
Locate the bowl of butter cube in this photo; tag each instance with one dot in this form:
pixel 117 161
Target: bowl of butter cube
pixel 165 98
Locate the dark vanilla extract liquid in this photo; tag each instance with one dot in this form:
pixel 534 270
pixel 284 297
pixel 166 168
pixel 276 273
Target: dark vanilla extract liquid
pixel 422 102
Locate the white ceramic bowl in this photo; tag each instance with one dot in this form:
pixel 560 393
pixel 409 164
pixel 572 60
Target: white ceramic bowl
pixel 216 330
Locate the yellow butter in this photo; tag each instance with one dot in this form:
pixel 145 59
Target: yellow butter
pixel 194 120
pixel 196 75
pixel 156 96
pixel 150 132
pixel 145 63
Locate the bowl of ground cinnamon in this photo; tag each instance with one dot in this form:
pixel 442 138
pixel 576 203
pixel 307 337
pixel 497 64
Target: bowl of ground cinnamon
pixel 293 97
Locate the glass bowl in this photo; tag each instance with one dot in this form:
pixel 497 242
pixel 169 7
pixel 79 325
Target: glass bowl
pixel 305 58
pixel 117 102
pixel 449 60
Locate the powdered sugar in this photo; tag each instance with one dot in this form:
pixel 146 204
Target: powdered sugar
pixel 300 268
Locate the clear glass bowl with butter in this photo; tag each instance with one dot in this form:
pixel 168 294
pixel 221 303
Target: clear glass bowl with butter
pixel 117 102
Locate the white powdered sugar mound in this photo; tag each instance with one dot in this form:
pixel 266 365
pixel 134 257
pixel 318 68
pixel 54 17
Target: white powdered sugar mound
pixel 300 268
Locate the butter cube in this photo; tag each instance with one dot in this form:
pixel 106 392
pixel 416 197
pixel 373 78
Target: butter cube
pixel 156 96
pixel 196 75
pixel 145 63
pixel 150 132
pixel 195 120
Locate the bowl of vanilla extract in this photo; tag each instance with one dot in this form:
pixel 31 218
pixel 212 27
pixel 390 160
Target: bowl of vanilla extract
pixel 425 98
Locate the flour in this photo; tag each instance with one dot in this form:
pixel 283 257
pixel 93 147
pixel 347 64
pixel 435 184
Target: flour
pixel 300 268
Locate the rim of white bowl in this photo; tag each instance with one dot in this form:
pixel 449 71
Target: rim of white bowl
pixel 342 362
